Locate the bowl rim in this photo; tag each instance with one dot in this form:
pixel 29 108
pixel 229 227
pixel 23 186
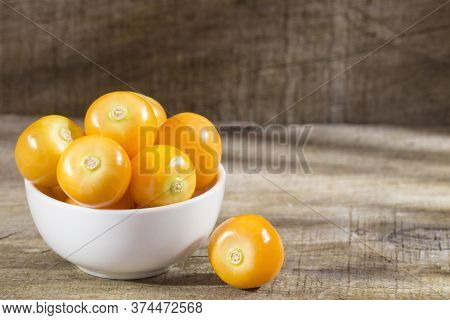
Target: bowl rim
pixel 219 182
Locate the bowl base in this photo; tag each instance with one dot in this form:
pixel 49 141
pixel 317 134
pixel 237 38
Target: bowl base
pixel 123 276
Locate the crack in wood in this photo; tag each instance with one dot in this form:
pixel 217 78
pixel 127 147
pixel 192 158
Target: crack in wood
pixel 9 235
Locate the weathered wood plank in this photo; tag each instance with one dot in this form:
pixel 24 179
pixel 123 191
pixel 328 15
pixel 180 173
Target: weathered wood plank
pixel 231 60
pixel 387 187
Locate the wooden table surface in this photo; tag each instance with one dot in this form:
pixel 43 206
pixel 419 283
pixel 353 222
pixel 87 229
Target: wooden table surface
pixel 371 221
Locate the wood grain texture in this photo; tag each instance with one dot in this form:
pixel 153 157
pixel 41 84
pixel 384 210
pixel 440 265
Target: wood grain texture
pixel 377 225
pixel 231 60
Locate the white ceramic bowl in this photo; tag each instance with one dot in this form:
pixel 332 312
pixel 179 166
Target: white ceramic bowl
pixel 126 244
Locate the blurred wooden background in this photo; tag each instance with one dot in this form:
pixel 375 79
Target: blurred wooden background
pixel 231 60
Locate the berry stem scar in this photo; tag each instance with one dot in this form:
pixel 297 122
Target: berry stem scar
pixel 235 256
pixel 118 113
pixel 91 162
